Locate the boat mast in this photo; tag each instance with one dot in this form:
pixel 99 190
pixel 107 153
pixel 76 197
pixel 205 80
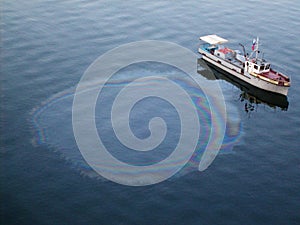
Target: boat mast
pixel 256 49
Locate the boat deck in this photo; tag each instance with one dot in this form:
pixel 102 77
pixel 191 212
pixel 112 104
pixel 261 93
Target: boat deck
pixel 273 75
pixel 210 49
pixel 234 62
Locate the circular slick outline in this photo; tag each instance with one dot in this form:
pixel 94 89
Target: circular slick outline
pixel 101 70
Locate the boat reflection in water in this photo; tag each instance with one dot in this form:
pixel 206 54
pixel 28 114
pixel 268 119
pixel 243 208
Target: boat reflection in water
pixel 251 95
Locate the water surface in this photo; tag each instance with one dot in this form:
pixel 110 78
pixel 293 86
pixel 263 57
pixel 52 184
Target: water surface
pixel 45 48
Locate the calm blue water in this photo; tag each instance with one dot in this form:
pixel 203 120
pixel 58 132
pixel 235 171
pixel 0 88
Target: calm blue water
pixel 45 48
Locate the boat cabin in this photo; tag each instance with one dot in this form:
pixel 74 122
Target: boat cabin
pixel 257 67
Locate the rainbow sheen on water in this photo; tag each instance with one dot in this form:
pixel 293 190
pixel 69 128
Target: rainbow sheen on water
pixel 52 120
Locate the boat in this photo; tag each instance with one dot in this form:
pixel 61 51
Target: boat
pixel 249 94
pixel 251 68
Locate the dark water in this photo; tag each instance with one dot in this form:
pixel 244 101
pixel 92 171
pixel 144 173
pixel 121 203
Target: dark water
pixel 45 48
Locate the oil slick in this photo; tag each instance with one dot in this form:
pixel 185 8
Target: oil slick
pixel 53 122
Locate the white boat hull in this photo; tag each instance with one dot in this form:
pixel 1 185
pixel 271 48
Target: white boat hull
pixel 237 72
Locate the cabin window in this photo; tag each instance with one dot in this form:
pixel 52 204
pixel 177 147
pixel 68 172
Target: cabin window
pixel 247 64
pixel 262 67
pixel 255 67
pixel 267 66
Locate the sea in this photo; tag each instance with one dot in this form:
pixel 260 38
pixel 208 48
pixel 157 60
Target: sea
pixel 251 143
